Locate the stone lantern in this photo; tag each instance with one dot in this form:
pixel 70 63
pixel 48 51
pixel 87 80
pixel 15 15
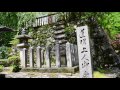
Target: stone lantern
pixel 23 39
pixel 23 46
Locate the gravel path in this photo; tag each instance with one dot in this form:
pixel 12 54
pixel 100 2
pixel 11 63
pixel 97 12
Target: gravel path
pixel 39 75
pixel 45 75
pixel 9 74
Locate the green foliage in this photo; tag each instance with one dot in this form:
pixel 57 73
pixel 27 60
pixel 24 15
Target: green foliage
pixel 41 36
pixel 111 22
pixel 15 68
pixel 14 41
pixel 1 68
pixel 97 74
pixel 24 17
pixel 4 62
pixel 9 19
pixel 15 21
pixel 14 60
pixel 4 52
pixel 5 38
pixel 70 33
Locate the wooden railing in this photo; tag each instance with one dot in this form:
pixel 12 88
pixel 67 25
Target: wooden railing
pixel 44 20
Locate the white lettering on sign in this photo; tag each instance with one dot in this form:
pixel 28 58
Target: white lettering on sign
pixel 85 65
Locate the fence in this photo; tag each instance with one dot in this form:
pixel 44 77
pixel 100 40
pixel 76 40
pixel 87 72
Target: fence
pixel 40 57
pixel 44 20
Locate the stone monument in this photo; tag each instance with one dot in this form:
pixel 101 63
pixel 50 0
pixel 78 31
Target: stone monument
pixel 60 37
pixel 84 55
pixel 23 46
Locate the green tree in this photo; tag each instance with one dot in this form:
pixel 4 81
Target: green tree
pixel 15 21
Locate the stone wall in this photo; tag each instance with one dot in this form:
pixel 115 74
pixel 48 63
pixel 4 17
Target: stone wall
pixel 102 52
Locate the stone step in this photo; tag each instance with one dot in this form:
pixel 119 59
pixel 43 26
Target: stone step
pixel 61 36
pixel 52 70
pixel 59 23
pixel 59 27
pixel 62 42
pixel 62 31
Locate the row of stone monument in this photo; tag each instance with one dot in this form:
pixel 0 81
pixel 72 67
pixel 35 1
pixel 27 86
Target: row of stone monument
pixel 43 56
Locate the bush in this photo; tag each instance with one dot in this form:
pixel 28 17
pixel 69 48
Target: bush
pixel 1 68
pixel 14 60
pixel 4 62
pixel 15 68
pixel 70 34
pixel 4 52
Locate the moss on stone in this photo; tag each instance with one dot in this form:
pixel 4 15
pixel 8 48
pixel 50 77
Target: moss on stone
pixel 52 70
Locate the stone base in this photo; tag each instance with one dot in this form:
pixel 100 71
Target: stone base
pixel 52 70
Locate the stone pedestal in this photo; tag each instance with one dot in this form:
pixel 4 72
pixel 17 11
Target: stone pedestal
pixel 68 55
pixel 31 57
pixel 42 56
pixel 57 52
pixel 47 57
pixel 76 56
pixel 38 60
pixel 21 57
pixel 24 58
